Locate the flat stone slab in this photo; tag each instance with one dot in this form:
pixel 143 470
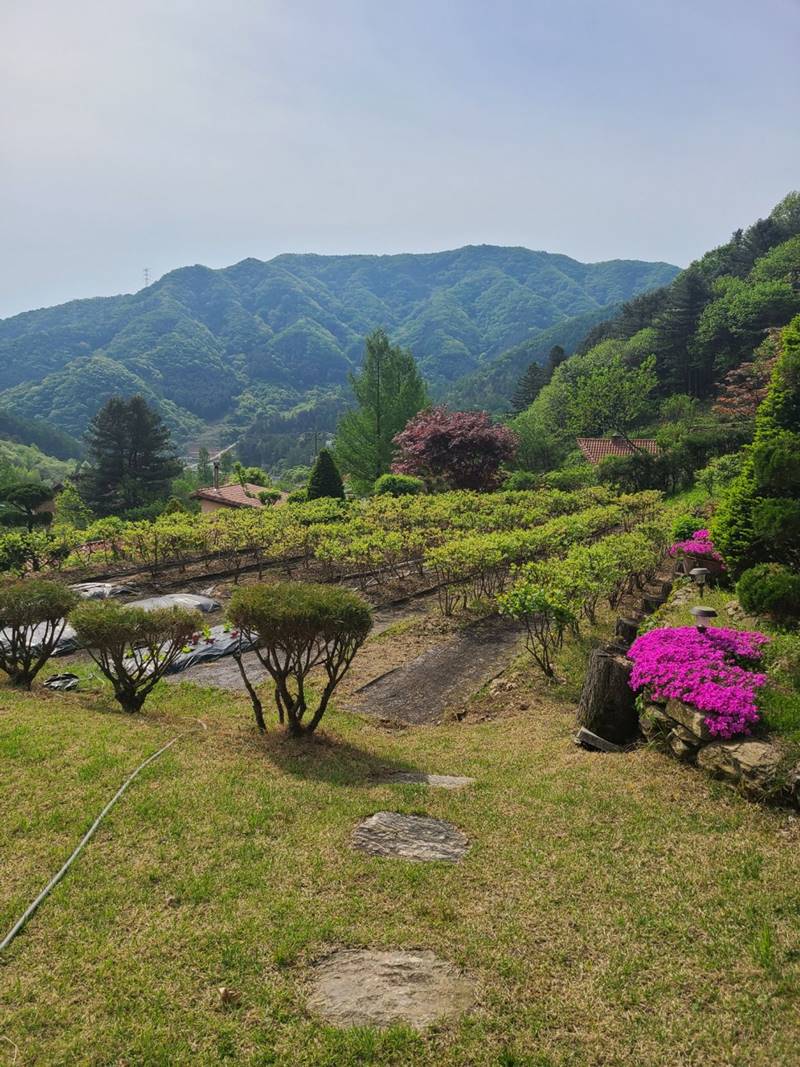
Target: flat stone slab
pixel 410 837
pixel 366 987
pixel 438 781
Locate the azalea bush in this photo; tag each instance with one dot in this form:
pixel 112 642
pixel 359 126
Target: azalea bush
pixel 699 544
pixel 714 670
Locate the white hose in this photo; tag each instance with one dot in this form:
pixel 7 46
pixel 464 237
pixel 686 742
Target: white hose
pixel 20 923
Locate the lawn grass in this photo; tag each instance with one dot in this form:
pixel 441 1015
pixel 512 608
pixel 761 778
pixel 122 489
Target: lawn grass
pixel 614 909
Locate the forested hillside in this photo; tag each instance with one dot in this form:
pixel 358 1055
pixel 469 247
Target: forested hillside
pixel 676 349
pixel 207 345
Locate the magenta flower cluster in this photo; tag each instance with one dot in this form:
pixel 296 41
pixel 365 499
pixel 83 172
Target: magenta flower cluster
pixel 699 544
pixel 706 669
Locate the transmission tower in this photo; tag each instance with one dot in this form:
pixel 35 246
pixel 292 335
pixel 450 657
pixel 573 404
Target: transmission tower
pixel 146 277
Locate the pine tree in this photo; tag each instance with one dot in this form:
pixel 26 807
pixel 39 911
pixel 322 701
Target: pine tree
pixel 389 391
pixel 325 478
pixel 130 456
pixel 528 387
pixel 535 379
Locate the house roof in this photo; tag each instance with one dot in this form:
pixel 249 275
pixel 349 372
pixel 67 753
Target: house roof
pixel 232 496
pixel 596 449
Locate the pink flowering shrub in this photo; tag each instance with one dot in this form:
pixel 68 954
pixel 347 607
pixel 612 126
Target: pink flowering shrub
pixel 699 544
pixel 710 670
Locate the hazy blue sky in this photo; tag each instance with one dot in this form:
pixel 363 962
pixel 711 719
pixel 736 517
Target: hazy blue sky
pixel 166 132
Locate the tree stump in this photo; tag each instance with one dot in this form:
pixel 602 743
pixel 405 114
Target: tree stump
pixel 627 630
pixel 607 706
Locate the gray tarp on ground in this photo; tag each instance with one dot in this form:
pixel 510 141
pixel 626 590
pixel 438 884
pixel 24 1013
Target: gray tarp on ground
pixel 101 590
pixel 219 643
pixel 68 642
pixel 192 601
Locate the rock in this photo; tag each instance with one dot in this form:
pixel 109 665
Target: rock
pixel 369 987
pixel 587 739
pixel 680 748
pixel 754 765
pixel 689 717
pixel 411 837
pixel 686 735
pixel 735 611
pixel 654 723
pixel 438 781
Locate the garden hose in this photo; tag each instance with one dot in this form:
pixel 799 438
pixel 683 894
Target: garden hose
pixel 32 907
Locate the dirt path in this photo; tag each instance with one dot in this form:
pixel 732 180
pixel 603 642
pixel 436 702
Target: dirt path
pixel 421 690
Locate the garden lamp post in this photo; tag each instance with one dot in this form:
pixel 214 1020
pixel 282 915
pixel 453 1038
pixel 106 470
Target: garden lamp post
pixel 699 576
pixel 701 616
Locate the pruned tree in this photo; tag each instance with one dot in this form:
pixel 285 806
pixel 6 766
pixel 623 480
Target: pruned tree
pixel 295 628
pixel 133 648
pixel 32 621
pixel 20 503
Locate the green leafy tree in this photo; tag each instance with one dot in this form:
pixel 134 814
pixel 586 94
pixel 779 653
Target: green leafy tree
pixel 389 391
pixel 71 510
pixel 251 475
pixel 757 520
pixel 612 397
pixel 325 479
pixel 130 455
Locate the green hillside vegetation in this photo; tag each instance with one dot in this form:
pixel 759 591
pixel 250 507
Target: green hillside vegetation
pixel 492 385
pixel 25 431
pixel 217 345
pixel 26 462
pixel 713 318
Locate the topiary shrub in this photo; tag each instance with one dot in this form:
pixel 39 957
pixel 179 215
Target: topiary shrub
pixel 325 478
pixel 297 626
pixel 32 619
pixel 297 496
pixel 770 589
pixel 398 485
pixel 133 648
pixel 269 496
pixel 522 480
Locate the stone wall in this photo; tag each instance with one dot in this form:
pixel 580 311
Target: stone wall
pixel 757 767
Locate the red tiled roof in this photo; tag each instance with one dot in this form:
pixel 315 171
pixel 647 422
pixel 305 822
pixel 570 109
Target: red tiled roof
pixel 232 496
pixel 596 449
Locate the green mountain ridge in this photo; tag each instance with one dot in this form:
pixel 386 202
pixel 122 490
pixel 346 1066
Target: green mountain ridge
pixel 210 345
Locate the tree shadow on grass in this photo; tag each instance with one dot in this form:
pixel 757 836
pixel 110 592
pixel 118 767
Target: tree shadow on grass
pixel 327 758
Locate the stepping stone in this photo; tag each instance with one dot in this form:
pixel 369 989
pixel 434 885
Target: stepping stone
pixel 411 837
pixel 366 987
pixel 440 781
